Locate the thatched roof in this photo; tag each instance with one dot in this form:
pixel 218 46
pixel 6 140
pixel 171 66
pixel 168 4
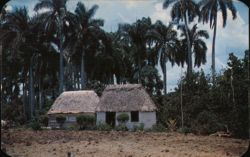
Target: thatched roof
pixel 128 97
pixel 75 102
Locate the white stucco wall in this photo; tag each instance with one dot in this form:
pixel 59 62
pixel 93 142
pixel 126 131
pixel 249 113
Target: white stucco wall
pixel 147 118
pixel 100 117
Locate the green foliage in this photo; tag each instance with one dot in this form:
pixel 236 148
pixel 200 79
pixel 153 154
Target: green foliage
pixel 121 127
pixel 35 125
pixel 171 123
pixel 85 121
pixel 158 128
pixel 97 86
pixel 60 120
pixel 44 120
pixel 206 123
pixel 138 128
pixel 104 127
pixel 185 130
pixel 122 118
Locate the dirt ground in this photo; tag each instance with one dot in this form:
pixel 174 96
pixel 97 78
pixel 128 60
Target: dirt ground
pixel 51 143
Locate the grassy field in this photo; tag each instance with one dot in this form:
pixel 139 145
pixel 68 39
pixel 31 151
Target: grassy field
pixel 26 143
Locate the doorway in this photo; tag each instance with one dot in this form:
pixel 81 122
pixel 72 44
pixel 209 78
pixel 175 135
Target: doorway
pixel 110 118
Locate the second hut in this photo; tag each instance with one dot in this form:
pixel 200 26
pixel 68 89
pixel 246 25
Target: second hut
pixel 131 99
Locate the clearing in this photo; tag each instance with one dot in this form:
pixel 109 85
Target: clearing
pixel 27 143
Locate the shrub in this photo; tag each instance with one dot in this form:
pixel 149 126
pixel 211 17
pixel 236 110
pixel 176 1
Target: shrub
pixel 206 123
pixel 121 127
pixel 60 120
pixel 171 123
pixel 104 127
pixel 158 128
pixel 138 128
pixel 185 130
pixel 44 120
pixel 85 121
pixel 122 118
pixel 35 125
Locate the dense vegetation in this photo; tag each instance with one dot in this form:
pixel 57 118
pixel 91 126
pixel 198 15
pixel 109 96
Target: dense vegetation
pixel 59 50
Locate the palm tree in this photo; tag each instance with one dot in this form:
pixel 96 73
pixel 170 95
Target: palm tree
pixel 184 10
pixel 52 19
pixel 166 44
pixel 137 34
pixel 198 46
pixel 17 31
pixel 209 12
pixel 86 26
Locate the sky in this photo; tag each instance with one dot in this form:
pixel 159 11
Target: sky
pixel 233 38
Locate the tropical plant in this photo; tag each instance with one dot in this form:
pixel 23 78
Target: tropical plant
pixel 209 13
pixel 122 118
pixel 136 33
pixel 166 46
pixel 184 10
pixel 56 19
pixel 198 46
pixel 86 27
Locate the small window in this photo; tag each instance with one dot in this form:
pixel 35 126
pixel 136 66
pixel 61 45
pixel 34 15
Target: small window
pixel 134 116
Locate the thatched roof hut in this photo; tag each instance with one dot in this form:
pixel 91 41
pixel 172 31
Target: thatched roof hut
pixel 75 102
pixel 127 97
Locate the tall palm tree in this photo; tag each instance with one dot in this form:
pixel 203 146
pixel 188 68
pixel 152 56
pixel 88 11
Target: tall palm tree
pixel 198 46
pixel 166 45
pixel 209 12
pixel 86 26
pixel 54 21
pixel 184 10
pixel 137 33
pixel 16 39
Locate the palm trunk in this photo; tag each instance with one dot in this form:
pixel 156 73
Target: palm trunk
pixel 82 72
pixel 164 70
pixel 189 66
pixel 31 90
pixel 213 50
pixel 182 119
pixel 1 83
pixel 61 58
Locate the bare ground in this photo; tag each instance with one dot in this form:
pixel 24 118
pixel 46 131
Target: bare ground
pixel 26 143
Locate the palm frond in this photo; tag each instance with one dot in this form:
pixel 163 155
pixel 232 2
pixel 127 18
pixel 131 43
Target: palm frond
pixel 43 4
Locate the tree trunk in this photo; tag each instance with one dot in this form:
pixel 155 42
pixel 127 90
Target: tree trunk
pixel 164 71
pixel 40 91
pixel 213 50
pixel 78 80
pixel 189 65
pixel 31 90
pixel 139 66
pixel 82 72
pixel 182 119
pixel 61 58
pixel 1 83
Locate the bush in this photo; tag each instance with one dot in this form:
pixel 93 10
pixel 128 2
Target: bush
pixel 85 121
pixel 206 123
pixel 121 127
pixel 185 130
pixel 158 128
pixel 171 123
pixel 60 120
pixel 104 127
pixel 44 120
pixel 122 118
pixel 138 128
pixel 35 125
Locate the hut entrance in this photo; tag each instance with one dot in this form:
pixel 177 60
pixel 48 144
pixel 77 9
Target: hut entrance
pixel 110 118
